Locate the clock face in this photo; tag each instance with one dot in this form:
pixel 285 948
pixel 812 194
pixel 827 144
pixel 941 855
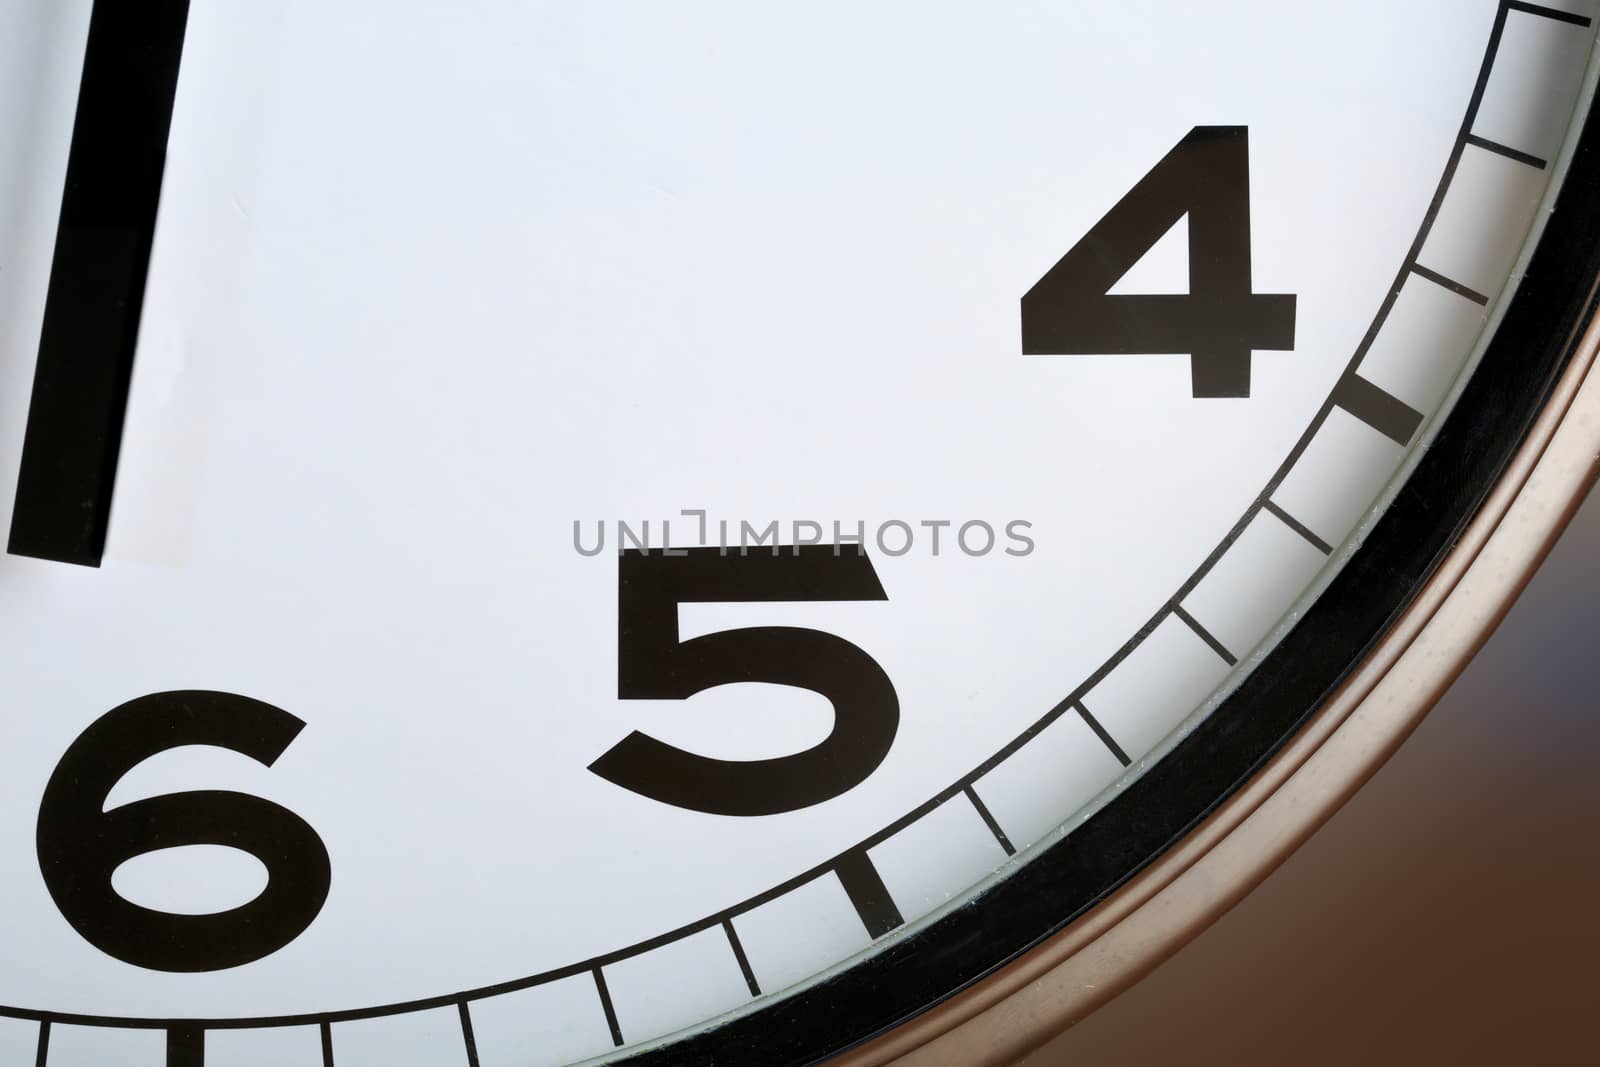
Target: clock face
pixel 620 509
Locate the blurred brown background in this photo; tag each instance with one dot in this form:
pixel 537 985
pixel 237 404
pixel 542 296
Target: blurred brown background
pixel 1449 914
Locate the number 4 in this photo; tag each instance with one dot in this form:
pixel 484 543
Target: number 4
pixel 1218 322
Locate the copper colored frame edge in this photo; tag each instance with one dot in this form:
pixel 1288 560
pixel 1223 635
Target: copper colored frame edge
pixel 1168 904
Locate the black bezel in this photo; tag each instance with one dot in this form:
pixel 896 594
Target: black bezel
pixel 1554 301
pixel 924 966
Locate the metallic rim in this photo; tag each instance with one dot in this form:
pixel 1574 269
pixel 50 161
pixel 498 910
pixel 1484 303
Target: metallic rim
pixel 1023 1005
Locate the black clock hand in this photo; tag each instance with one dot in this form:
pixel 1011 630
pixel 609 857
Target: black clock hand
pixel 97 280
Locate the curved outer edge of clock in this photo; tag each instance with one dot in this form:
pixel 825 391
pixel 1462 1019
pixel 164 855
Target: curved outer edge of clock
pixel 1167 610
pixel 1501 406
pixel 1349 739
pixel 1509 427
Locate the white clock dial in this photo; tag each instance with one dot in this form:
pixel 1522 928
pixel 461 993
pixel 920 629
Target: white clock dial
pixel 1101 326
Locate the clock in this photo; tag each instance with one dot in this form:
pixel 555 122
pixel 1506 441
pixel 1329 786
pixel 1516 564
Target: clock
pixel 736 533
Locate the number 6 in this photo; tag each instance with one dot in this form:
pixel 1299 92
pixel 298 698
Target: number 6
pixel 81 845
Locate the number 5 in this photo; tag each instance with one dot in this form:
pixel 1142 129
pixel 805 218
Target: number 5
pixel 653 664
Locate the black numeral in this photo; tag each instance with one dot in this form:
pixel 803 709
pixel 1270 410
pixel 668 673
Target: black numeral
pixel 80 845
pixel 1218 322
pixel 653 664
